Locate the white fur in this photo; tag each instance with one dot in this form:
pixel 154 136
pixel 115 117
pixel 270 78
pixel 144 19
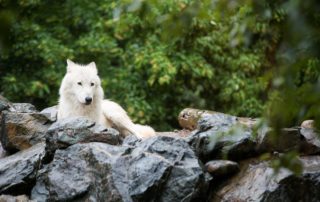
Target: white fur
pixel 82 81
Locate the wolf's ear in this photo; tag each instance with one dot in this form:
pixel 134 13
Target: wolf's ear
pixel 70 65
pixel 93 66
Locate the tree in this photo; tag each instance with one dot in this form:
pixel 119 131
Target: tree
pixel 158 57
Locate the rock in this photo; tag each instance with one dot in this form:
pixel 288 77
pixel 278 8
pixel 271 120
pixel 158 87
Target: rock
pixel 21 198
pixel 82 171
pixel 16 107
pixel 156 169
pixel 5 104
pixel 287 140
pixel 18 171
pixel 221 136
pixel 51 113
pixel 305 140
pixel 177 133
pixel 131 140
pixel 221 168
pixel 3 153
pixel 186 181
pixel 307 124
pixel 24 107
pixel 73 122
pixel 310 143
pixel 75 130
pixel 257 182
pixel 20 131
pixel 249 122
pixel 189 118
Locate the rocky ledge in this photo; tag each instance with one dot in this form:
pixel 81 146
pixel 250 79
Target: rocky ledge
pixel 216 157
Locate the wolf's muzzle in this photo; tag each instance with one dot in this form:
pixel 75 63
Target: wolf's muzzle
pixel 88 100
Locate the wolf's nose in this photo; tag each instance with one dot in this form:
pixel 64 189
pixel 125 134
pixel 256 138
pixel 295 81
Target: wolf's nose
pixel 88 100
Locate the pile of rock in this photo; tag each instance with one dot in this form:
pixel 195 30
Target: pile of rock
pixel 243 140
pixel 77 160
pixel 214 158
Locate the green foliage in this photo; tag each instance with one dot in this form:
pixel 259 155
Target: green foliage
pixel 155 58
pixel 158 57
pixel 295 86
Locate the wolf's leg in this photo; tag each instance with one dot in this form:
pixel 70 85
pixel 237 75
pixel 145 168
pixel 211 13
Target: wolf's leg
pixel 118 117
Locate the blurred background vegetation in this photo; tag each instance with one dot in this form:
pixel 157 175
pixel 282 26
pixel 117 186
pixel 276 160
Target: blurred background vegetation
pixel 245 57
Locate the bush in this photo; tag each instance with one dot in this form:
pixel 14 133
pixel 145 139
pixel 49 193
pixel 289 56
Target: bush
pixel 155 57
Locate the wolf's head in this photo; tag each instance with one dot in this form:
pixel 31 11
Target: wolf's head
pixel 81 83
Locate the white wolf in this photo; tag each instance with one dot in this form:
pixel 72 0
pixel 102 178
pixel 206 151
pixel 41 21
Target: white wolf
pixel 81 95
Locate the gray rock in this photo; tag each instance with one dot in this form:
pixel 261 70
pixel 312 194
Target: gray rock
pixel 21 198
pixel 258 182
pixel 5 104
pixel 74 122
pixel 189 117
pixel 131 140
pixel 221 168
pixel 310 143
pixel 20 131
pixel 215 121
pixel 157 169
pixel 66 132
pixel 24 107
pixel 186 181
pixel 3 153
pixel 51 112
pixel 221 136
pixel 82 171
pixel 289 139
pixel 305 140
pixel 18 171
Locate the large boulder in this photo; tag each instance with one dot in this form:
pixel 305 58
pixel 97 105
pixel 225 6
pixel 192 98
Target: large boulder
pixel 80 171
pixel 70 131
pixel 222 136
pixel 18 171
pixel 20 131
pixel 21 126
pixel 305 140
pixel 258 182
pixel 186 181
pixel 287 139
pixel 157 169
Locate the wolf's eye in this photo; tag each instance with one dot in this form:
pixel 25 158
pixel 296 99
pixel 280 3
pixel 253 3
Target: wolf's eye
pixel 79 83
pixel 92 84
